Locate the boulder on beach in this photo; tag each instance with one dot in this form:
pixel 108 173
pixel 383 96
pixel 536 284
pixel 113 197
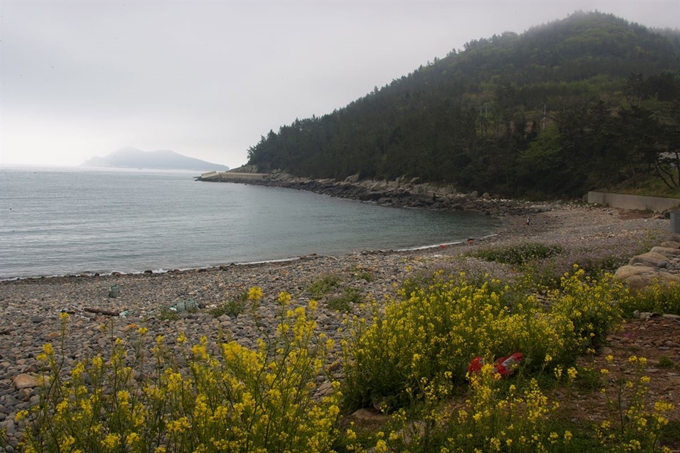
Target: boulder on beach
pixel 640 277
pixel 650 259
pixel 666 251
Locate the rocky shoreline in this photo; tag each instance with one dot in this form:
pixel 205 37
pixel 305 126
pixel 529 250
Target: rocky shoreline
pixel 30 308
pixel 401 193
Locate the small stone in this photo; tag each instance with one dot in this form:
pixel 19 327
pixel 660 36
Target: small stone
pixel 24 381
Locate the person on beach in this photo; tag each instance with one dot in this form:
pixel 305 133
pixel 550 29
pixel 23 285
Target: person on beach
pixel 528 222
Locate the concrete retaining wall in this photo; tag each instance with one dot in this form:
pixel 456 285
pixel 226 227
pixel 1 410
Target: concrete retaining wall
pixel 615 200
pixel 231 176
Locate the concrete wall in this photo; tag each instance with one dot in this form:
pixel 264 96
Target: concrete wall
pixel 231 176
pixel 656 204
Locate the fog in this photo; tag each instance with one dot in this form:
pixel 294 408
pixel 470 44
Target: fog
pixel 206 79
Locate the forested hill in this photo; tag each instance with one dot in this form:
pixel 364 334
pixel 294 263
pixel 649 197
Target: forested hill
pixel 586 102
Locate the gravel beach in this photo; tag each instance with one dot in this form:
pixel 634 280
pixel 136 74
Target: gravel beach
pixel 30 308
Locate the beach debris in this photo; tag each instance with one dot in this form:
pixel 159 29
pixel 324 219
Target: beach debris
pixel 99 311
pixel 184 305
pixel 114 291
pixel 505 366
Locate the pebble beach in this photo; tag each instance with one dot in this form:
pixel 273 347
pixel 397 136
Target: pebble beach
pixel 30 308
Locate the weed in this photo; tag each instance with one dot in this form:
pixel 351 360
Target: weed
pixel 343 302
pixel 323 285
pixel 665 362
pixel 519 254
pixel 658 298
pixel 165 314
pixel 671 433
pixel 232 307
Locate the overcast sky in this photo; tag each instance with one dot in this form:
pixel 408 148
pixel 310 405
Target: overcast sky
pixel 207 78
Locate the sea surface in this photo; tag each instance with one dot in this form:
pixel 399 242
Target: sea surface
pixel 61 221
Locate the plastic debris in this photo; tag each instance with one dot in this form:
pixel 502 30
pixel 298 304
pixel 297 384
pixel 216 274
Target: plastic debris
pixel 505 366
pixel 114 291
pixel 184 305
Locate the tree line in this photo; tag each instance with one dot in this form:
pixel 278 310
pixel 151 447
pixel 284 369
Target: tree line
pixel 588 102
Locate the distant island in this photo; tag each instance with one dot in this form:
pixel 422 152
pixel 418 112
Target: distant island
pixel 156 160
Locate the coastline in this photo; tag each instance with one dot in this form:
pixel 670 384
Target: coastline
pixel 30 307
pixel 401 193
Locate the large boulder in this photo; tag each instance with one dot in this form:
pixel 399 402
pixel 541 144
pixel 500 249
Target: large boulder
pixel 640 277
pixel 650 259
pixel 668 251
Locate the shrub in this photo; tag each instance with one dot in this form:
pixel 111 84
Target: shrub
pixel 434 333
pixel 592 306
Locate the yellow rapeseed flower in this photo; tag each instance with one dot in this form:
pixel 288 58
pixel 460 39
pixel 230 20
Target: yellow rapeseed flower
pixel 255 293
pixel 111 441
pixel 381 446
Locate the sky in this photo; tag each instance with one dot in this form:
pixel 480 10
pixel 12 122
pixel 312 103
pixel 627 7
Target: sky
pixel 207 79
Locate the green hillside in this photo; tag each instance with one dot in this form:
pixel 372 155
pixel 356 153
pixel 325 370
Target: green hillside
pixel 591 101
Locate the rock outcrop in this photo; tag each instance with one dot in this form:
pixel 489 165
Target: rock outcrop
pixel 401 193
pixel 661 265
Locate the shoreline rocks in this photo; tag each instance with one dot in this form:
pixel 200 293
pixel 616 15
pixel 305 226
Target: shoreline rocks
pixel 399 193
pixel 660 265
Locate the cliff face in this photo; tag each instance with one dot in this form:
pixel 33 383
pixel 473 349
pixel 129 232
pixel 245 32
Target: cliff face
pixel 161 160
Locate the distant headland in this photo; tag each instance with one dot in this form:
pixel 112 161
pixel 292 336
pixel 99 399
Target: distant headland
pixel 158 160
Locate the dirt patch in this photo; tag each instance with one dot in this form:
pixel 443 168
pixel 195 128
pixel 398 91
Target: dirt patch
pixel 656 339
pixel 637 214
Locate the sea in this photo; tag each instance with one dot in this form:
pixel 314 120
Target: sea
pixel 63 221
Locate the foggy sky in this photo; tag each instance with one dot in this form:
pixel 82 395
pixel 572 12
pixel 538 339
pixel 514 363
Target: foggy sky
pixel 206 79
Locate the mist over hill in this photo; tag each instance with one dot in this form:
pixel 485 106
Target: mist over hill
pixel 157 160
pixel 587 102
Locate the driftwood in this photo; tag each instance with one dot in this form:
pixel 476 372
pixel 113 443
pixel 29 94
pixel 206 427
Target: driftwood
pixel 101 312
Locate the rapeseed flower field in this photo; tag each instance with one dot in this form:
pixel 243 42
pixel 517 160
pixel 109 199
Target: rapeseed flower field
pixel 407 356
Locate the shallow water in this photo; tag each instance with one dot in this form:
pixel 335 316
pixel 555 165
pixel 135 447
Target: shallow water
pixel 57 221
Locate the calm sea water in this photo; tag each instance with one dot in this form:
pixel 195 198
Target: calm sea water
pixel 57 221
